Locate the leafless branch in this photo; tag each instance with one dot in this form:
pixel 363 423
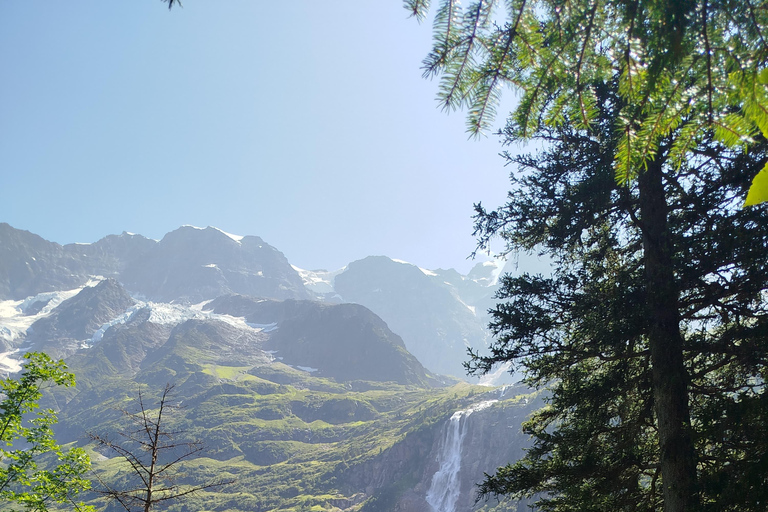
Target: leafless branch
pixel 147 448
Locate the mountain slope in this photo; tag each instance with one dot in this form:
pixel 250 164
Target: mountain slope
pixel 192 264
pixel 342 341
pixel 30 265
pixel 77 319
pixel 307 405
pixel 436 324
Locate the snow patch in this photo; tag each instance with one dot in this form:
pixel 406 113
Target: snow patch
pixel 234 321
pixel 169 314
pixel 8 363
pixel 200 305
pixel 307 369
pixel 236 238
pixel 423 270
pixel 99 334
pixel 14 323
pixel 173 314
pixel 318 281
pixel 490 378
pixel 471 308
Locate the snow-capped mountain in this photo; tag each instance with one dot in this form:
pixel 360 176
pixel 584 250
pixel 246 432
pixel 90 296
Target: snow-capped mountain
pixel 189 264
pixel 299 381
pixel 439 313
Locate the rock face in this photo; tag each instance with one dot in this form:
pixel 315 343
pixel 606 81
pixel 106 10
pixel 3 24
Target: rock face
pixel 77 319
pixel 437 468
pixel 192 264
pixel 189 264
pixel 472 442
pixel 30 265
pixel 429 314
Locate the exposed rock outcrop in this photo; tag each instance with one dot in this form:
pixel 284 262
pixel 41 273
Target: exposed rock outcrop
pixel 407 476
pixel 76 319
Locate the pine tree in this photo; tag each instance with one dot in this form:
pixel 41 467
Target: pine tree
pixel 684 273
pixel 666 96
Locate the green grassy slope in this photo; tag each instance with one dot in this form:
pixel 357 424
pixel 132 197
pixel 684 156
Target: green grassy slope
pixel 292 441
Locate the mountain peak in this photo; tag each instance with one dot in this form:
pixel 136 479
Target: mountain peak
pixel 189 264
pixel 187 227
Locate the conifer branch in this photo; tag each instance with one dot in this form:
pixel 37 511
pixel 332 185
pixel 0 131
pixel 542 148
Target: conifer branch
pixel 172 2
pixel 445 21
pixel 417 8
pixel 476 18
pixel 489 95
pixel 755 24
pixel 708 52
pixel 579 91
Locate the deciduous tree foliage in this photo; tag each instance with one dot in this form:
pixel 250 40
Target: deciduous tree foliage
pixel 36 474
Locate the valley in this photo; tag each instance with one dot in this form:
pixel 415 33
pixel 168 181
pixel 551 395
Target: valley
pixel 306 398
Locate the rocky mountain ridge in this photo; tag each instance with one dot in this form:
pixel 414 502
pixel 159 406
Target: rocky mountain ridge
pixel 189 265
pixel 438 314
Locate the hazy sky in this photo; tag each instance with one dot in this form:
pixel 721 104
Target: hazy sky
pixel 306 123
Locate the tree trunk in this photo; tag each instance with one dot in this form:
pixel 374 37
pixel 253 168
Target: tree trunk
pixel 670 379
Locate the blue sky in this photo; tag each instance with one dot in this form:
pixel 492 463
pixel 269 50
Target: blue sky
pixel 306 123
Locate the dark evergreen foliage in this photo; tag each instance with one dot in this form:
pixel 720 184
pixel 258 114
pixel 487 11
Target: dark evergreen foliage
pixel 584 331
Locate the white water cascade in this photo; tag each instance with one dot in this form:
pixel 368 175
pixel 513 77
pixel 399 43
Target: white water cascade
pixel 445 488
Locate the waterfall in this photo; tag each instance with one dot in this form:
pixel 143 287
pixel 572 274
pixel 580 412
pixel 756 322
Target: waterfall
pixel 445 487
